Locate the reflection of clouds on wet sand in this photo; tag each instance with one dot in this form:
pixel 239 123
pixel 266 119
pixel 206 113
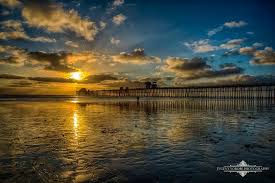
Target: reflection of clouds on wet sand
pixel 109 140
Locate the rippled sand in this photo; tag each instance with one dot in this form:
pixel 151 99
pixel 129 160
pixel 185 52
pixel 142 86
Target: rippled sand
pixel 155 140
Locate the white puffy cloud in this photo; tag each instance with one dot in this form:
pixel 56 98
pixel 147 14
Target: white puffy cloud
pixel 13 29
pixel 102 25
pixel 232 24
pixel 235 24
pixel 71 44
pixel 264 57
pixel 13 55
pixel 114 41
pixel 248 50
pixel 215 30
pixel 119 19
pixel 232 44
pixel 12 25
pixel 200 46
pixel 53 18
pixel 118 2
pixel 257 45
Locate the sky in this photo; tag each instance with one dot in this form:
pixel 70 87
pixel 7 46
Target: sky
pixel 57 47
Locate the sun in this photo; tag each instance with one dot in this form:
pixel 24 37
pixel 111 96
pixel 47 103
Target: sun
pixel 76 75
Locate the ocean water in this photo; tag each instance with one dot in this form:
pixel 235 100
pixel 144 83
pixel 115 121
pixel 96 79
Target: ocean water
pixel 71 139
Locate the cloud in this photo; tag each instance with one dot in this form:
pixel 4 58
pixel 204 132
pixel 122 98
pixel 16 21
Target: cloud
pixel 96 78
pixel 259 79
pixel 53 18
pixel 56 61
pixel 102 25
pixel 12 25
pixel 137 56
pixel 49 61
pixel 264 57
pixel 119 19
pixel 114 41
pixel 5 12
pixel 227 65
pixel 21 83
pixel 241 79
pixel 232 44
pixel 118 2
pixel 52 79
pixel 258 57
pixel 215 30
pixel 257 45
pixel 197 68
pixel 247 50
pixel 10 3
pixel 10 76
pixel 232 24
pixel 13 29
pixel 123 83
pixel 52 61
pixel 250 33
pixel 71 44
pixel 178 65
pixel 200 46
pixel 12 55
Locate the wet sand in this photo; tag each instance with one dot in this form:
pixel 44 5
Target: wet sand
pixel 153 140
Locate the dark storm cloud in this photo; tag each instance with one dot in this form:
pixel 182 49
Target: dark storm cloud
pixel 54 61
pixel 228 71
pixel 183 64
pixel 50 61
pixel 197 68
pixel 241 79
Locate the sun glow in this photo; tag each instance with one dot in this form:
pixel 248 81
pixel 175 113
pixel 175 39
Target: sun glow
pixel 77 75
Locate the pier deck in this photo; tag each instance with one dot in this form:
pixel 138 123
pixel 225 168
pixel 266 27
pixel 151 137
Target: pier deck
pixel 232 91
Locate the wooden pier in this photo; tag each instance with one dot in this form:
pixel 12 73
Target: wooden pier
pixel 232 91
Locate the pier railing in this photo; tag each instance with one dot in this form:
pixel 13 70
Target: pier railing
pixel 236 91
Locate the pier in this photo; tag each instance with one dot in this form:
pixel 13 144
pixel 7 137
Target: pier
pixel 228 91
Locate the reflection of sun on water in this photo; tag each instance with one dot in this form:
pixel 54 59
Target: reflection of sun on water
pixel 75 121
